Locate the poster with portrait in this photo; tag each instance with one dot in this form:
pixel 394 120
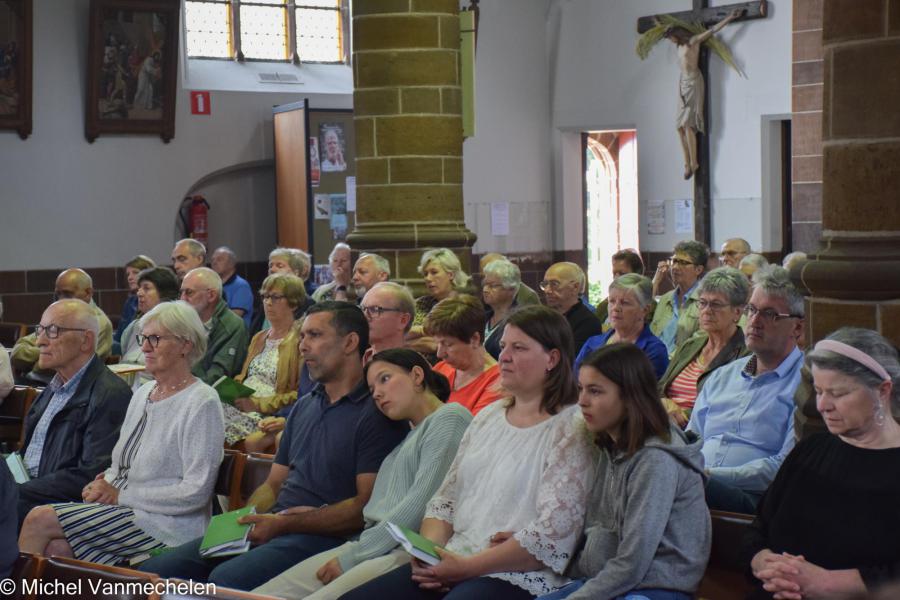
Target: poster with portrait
pixel 132 62
pixel 332 145
pixel 15 66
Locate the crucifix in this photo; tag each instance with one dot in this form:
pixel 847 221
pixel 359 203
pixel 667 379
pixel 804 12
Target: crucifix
pixel 693 118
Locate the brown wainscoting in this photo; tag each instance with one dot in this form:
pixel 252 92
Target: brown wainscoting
pixel 26 294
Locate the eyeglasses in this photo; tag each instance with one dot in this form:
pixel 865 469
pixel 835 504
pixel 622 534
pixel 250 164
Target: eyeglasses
pixel 273 298
pixel 552 285
pixel 188 292
pixel 153 339
pixel 768 315
pixel 492 286
pixel 373 312
pixel 52 331
pixel 679 262
pixel 713 306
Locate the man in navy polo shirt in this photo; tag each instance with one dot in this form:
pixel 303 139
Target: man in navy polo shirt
pixel 333 444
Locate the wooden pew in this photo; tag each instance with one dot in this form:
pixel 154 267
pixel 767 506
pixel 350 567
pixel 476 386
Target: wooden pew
pixel 12 416
pixel 11 332
pixel 27 567
pixel 84 577
pixel 256 471
pixel 220 593
pixel 725 577
pixel 228 483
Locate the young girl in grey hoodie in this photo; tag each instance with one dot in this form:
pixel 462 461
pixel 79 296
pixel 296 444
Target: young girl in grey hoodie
pixel 647 532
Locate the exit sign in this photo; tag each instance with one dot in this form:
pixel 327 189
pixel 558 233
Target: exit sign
pixel 200 103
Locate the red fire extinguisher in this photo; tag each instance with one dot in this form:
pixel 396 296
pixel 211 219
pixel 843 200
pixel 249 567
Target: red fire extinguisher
pixel 198 222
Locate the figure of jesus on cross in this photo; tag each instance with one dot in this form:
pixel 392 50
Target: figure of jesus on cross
pixel 691 87
pixel 688 31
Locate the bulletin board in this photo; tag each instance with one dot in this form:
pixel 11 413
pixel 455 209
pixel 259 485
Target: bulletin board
pixel 332 179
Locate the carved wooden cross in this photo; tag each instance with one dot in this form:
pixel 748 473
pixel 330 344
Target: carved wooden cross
pixel 702 13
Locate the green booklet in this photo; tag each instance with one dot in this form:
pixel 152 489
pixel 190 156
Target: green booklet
pixel 225 536
pixel 17 467
pixel 416 545
pixel 230 390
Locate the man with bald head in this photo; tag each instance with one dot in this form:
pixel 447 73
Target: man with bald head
pixel 733 251
pixel 562 285
pixel 339 287
pixel 226 347
pixel 74 423
pixel 525 295
pixel 235 289
pixel 390 310
pixel 71 283
pixel 369 270
pixel 186 255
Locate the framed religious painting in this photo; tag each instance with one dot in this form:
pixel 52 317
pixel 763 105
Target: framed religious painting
pixel 132 64
pixel 15 66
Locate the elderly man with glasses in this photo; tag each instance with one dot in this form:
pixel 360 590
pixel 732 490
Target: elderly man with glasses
pixel 390 309
pixel 562 286
pixel 71 283
pixel 676 317
pixel 733 251
pixel 744 412
pixel 74 423
pixel 226 347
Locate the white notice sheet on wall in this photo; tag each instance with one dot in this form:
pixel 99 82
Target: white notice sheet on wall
pixel 656 217
pixel 499 218
pixel 684 216
pixel 351 194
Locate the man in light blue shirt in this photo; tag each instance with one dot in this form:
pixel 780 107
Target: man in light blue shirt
pixel 235 290
pixel 744 412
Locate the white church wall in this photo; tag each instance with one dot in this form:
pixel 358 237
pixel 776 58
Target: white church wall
pixel 600 83
pixel 509 157
pixel 546 69
pixel 118 196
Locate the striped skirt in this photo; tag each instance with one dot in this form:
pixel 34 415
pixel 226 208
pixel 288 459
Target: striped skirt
pixel 101 533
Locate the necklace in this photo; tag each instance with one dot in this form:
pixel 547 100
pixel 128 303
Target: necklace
pixel 164 391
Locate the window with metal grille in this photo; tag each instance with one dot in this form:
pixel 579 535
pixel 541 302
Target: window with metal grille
pixel 273 30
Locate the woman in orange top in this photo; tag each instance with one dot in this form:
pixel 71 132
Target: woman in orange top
pixel 457 326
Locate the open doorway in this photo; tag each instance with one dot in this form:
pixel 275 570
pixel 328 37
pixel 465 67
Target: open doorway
pixel 610 186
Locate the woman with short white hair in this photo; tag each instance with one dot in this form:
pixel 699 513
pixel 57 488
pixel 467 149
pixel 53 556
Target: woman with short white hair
pixel 499 287
pixel 630 299
pixel 444 277
pixel 157 491
pixel 827 527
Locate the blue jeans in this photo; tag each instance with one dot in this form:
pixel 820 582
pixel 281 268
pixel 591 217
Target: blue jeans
pixel 723 496
pixel 398 585
pixel 654 594
pixel 244 571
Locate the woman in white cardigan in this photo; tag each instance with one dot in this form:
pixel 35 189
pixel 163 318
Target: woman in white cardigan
pixel 157 491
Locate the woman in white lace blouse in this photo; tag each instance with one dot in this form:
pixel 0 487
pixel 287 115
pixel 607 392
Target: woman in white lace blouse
pixel 511 508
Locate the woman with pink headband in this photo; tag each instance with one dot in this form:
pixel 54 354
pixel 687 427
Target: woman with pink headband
pixel 828 526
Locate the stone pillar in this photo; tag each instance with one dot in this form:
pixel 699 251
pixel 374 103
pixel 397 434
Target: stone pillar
pixel 855 277
pixel 408 123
